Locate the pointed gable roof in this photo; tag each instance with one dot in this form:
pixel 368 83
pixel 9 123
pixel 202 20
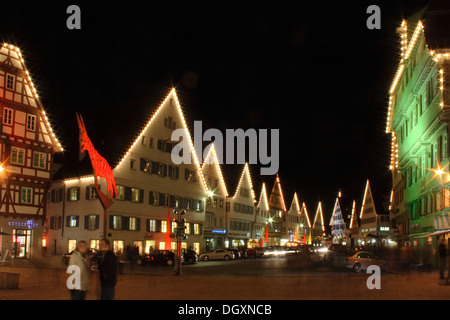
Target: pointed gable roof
pixel 353 217
pixel 295 206
pixel 212 160
pixel 25 93
pixel 367 200
pixel 245 176
pixel 171 100
pixel 276 199
pixel 318 219
pixel 263 202
pixel 304 213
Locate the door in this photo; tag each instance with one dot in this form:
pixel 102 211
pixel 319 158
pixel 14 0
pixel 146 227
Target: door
pixel 20 246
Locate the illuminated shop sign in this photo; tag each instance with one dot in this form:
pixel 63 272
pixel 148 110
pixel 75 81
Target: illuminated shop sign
pixel 29 224
pixel 219 231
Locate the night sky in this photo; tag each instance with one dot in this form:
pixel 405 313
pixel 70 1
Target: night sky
pixel 314 71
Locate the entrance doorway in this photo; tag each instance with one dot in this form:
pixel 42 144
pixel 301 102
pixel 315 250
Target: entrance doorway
pixel 21 243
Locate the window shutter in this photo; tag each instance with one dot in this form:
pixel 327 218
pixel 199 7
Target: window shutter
pixel 52 223
pixel 111 223
pixel 161 199
pixel 177 172
pixel 86 222
pixel 201 205
pixel 127 195
pixel 142 163
pixel 200 228
pixel 138 224
pixel 147 225
pixel 155 167
pixel 150 197
pixel 68 221
pixel 170 171
pixel 87 193
pixel 141 196
pixel 52 196
pixel 77 219
pixel 68 194
pixel 125 223
pixel 172 201
pixel 164 169
pixel 97 221
pixel 158 225
pixel 186 174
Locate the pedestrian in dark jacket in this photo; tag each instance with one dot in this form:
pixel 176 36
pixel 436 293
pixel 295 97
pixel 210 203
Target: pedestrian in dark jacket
pixel 107 271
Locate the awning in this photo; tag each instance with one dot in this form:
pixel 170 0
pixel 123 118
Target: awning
pixel 436 233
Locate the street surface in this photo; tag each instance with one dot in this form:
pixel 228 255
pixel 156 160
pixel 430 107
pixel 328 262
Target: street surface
pixel 287 278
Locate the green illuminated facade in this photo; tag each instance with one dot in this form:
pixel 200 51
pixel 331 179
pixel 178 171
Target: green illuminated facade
pixel 418 118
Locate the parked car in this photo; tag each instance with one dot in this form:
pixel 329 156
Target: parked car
pixel 189 256
pixel 219 254
pixel 237 253
pixel 93 255
pixel 361 260
pixel 252 253
pixel 158 257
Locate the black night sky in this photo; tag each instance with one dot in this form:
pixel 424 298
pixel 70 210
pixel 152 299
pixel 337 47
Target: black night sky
pixel 314 71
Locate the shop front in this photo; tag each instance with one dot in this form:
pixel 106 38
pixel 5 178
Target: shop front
pixel 20 238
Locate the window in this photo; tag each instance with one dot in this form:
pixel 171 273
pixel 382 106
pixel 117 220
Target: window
pixel 188 228
pixel 197 247
pixel 116 222
pixel 73 194
pixel 135 195
pixel 31 122
pixel 39 160
pixel 94 244
pixel 55 223
pixel 164 226
pixel 91 193
pixel 144 140
pixel 91 222
pixel 17 155
pixel 72 221
pixel 7 116
pixel 196 228
pixel 71 245
pixel 10 81
pixel 133 224
pixel 151 226
pixel 118 245
pixel 26 195
pixel 153 198
pixel 120 193
pixel 132 164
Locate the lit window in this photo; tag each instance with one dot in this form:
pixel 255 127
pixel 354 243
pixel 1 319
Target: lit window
pixel 74 194
pixel 135 195
pixel 132 225
pixel 117 222
pixel 164 226
pixel 73 221
pixel 152 225
pixel 120 193
pixel 196 228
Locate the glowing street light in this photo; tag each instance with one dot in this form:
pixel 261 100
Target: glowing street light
pixel 439 171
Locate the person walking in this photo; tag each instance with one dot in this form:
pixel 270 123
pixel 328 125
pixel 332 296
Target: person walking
pixel 107 271
pixel 442 258
pixel 80 257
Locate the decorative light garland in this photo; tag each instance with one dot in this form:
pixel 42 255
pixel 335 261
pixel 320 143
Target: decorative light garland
pixel 19 53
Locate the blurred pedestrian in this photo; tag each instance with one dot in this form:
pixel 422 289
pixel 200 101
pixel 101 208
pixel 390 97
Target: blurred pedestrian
pixel 80 257
pixel 107 271
pixel 442 257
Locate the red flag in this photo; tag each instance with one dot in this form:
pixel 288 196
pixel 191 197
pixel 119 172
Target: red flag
pixel 266 236
pixel 168 242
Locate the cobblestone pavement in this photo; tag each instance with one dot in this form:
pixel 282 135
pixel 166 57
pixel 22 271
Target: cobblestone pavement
pixel 40 283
